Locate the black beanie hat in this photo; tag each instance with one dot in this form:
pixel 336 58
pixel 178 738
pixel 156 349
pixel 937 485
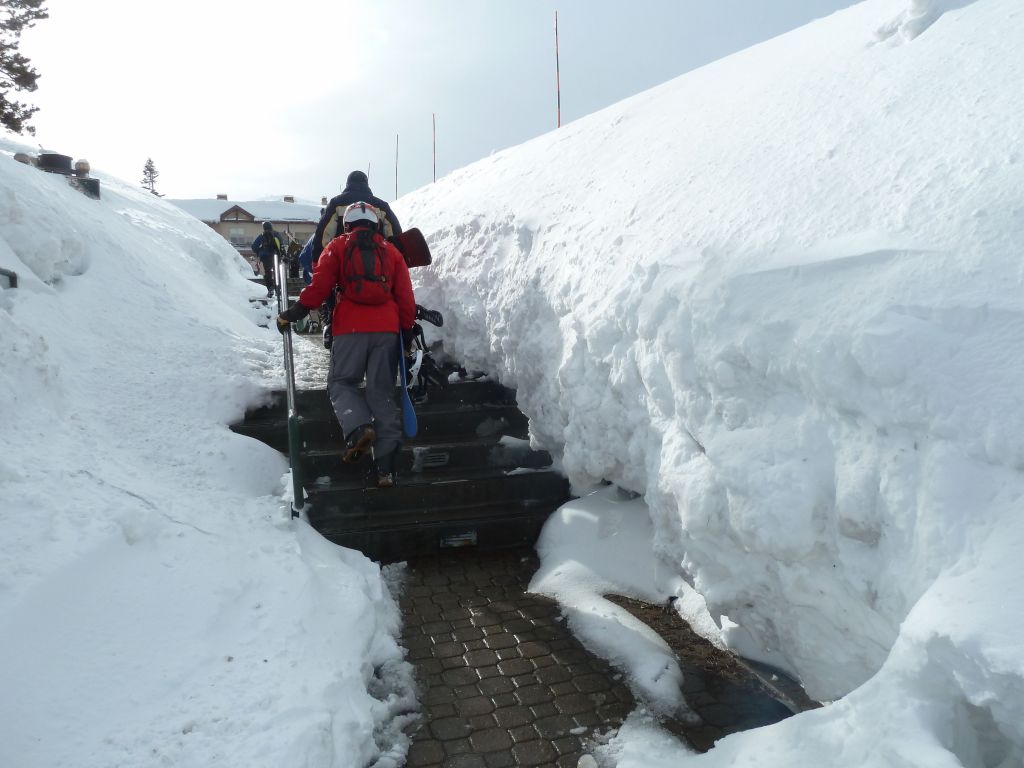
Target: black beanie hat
pixel 356 179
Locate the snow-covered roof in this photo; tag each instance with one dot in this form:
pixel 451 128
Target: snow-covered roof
pixel 210 211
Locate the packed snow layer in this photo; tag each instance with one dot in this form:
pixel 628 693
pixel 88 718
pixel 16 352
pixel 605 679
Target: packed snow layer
pixel 781 296
pixel 158 606
pixel 601 545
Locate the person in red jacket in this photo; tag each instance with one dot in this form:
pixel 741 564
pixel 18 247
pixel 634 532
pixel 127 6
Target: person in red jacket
pixel 375 302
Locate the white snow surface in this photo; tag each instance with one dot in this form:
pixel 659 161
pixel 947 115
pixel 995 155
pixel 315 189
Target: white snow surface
pixel 781 298
pixel 158 606
pixel 602 544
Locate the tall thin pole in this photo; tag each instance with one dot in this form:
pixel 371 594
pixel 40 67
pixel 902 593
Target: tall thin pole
pixel 294 444
pixel 396 166
pixel 434 116
pixel 558 76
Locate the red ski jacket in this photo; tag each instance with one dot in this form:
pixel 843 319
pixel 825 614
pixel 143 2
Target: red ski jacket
pixel 397 313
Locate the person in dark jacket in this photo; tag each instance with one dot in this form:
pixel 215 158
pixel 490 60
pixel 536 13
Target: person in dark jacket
pixel 375 303
pixel 265 247
pixel 357 190
pixel 330 226
pixel 291 255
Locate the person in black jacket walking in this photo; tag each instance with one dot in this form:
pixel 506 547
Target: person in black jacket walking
pixel 265 247
pixel 357 190
pixel 331 225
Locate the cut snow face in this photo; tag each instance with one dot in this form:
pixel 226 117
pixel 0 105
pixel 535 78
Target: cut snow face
pixel 159 606
pixel 781 298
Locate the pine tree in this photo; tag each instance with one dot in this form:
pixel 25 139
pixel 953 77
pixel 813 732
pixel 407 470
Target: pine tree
pixel 149 174
pixel 16 74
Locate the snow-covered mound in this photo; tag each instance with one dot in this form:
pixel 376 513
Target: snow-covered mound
pixel 781 297
pixel 157 605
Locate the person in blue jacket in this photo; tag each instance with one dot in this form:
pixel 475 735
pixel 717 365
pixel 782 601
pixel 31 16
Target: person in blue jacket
pixel 266 246
pixel 306 260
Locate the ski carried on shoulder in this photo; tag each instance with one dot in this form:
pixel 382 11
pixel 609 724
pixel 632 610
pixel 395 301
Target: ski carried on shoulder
pixel 409 425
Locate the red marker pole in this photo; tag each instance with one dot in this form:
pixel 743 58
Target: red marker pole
pixel 558 77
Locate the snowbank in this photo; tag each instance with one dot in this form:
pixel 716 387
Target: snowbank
pixel 158 606
pixel 781 298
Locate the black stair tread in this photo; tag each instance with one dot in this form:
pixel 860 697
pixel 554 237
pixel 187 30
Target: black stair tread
pixel 446 476
pixel 431 458
pixel 469 392
pixel 270 417
pixel 434 426
pixel 485 443
pixel 429 494
pixel 433 429
pixel 394 537
pixel 467 384
pixel 436 415
pixel 437 426
pixel 455 515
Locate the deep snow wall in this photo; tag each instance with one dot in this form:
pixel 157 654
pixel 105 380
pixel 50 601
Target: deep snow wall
pixel 781 297
pixel 158 606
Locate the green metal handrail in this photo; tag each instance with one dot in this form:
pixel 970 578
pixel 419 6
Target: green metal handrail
pixel 294 444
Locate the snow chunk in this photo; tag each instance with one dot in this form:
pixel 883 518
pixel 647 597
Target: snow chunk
pixel 920 15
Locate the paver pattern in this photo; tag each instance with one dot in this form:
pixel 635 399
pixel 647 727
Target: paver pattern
pixel 502 680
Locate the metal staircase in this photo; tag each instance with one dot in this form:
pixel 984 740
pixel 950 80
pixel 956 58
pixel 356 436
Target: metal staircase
pixel 469 477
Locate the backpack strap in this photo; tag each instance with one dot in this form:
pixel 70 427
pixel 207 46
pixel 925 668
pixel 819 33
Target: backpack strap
pixel 339 221
pixel 384 224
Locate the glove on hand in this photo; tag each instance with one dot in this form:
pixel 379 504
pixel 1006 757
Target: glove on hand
pixel 432 316
pixel 293 314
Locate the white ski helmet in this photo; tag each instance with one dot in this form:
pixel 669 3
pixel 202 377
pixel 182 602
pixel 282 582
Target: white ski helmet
pixel 360 212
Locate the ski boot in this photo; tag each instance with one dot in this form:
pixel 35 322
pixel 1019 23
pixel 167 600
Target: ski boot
pixel 358 442
pixel 326 315
pixel 382 473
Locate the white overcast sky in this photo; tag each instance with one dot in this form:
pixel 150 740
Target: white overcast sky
pixel 256 98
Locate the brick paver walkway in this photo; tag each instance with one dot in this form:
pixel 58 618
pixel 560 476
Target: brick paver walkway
pixel 502 681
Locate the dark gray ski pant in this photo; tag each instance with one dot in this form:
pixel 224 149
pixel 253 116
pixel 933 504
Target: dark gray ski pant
pixel 375 356
pixel 269 278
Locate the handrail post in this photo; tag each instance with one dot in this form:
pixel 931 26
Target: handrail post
pixel 298 495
